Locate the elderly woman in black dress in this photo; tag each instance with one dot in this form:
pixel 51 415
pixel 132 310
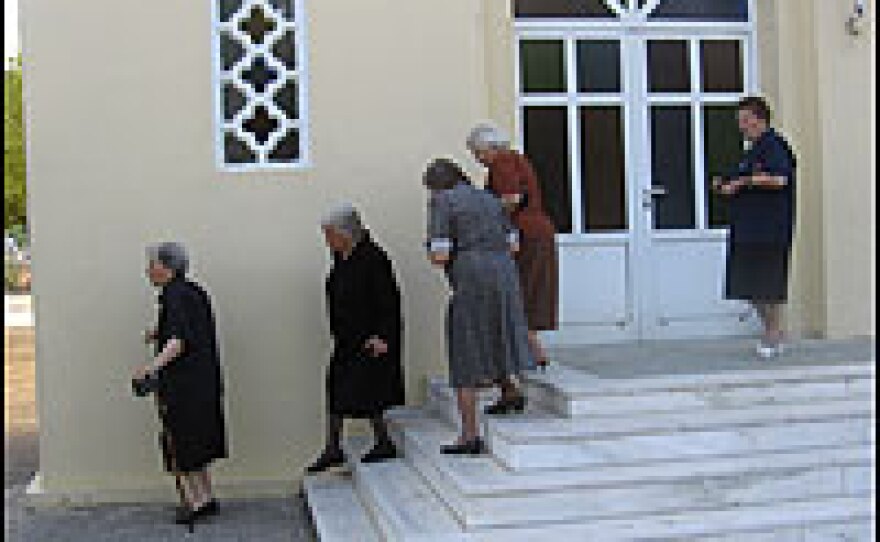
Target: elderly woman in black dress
pixel 471 237
pixel 365 376
pixel 190 386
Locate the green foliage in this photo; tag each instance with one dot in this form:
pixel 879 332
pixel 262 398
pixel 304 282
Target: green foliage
pixel 14 191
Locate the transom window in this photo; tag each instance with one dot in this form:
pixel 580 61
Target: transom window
pixel 260 84
pixel 671 10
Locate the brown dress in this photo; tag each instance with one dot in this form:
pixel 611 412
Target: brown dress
pixel 511 173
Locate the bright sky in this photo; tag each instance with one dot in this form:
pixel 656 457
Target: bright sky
pixel 10 30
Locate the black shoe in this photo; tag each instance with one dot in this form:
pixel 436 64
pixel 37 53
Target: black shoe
pixel 187 517
pixel 474 447
pixel 379 453
pixel 326 461
pixel 207 509
pixel 506 406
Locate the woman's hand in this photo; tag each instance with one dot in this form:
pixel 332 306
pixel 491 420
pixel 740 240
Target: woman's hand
pixel 440 259
pixel 151 335
pixel 376 346
pixel 141 372
pixel 511 201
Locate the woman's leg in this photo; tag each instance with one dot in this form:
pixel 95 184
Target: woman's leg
pixel 380 432
pixel 204 481
pixel 537 349
pixel 467 408
pixel 333 443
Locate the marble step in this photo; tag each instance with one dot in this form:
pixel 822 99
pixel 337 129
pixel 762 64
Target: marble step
pixel 572 392
pixel 409 511
pixel 402 505
pixel 539 425
pixel 575 382
pixel 482 494
pixel 681 446
pixel 621 403
pixel 838 519
pixel 337 512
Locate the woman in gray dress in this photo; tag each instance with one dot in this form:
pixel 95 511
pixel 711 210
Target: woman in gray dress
pixel 470 236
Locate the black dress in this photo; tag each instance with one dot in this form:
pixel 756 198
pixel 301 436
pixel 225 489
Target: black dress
pixel 363 300
pixel 190 394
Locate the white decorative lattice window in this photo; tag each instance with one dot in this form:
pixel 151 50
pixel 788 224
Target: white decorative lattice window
pixel 260 84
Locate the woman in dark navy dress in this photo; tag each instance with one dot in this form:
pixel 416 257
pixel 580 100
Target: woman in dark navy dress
pixel 762 221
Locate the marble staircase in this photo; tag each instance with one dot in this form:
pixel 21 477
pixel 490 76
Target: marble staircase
pixel 781 454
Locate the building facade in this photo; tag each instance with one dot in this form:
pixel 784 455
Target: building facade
pixel 231 125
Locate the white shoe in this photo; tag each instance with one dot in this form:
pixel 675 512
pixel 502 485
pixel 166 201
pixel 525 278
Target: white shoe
pixel 765 351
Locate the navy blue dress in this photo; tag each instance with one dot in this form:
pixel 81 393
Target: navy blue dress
pixel 762 224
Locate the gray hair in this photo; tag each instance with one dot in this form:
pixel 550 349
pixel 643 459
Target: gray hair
pixel 171 255
pixel 443 174
pixel 486 137
pixel 345 219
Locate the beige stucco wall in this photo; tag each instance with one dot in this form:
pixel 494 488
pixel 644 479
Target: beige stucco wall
pixel 820 79
pixel 121 154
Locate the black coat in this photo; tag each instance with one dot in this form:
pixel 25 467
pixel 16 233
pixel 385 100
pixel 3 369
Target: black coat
pixel 363 300
pixel 190 393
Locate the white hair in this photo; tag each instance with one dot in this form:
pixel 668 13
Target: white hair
pixel 487 137
pixel 171 255
pixel 346 219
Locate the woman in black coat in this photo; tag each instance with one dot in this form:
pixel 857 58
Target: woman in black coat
pixel 365 376
pixel 189 394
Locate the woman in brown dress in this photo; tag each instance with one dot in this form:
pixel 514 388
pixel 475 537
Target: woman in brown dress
pixel 512 178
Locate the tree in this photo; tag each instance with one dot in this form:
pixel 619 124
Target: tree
pixel 14 172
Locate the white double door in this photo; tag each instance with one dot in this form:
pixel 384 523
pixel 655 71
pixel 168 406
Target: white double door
pixel 642 242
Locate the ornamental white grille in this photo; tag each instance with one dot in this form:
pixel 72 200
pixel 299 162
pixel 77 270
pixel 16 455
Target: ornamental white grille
pixel 260 97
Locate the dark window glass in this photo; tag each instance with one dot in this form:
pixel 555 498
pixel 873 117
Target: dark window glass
pixel 528 9
pixel 722 63
pixel 546 141
pixel 287 149
pixel 598 66
pixel 542 66
pixel 287 99
pixel 261 124
pixel 231 52
pixel 257 24
pixel 669 67
pixel 603 169
pixel 227 8
pixel 259 74
pixel 233 101
pixel 703 10
pixel 285 50
pixel 236 152
pixel 672 167
pixel 724 149
pixel 285 7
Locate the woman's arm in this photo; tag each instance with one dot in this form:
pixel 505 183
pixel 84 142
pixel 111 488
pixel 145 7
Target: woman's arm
pixel 173 348
pixel 440 237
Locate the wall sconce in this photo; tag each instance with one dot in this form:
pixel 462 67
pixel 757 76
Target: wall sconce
pixel 854 22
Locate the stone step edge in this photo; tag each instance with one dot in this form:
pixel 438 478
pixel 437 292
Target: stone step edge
pixel 746 521
pixel 323 495
pixel 661 424
pixel 730 379
pixel 386 515
pixel 577 478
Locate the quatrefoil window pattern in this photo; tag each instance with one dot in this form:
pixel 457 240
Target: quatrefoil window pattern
pixel 260 76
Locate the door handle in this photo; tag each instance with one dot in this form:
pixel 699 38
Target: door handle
pixel 650 194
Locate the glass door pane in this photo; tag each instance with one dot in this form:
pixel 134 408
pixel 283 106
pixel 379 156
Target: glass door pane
pixel 542 64
pixel 603 169
pixel 546 144
pixel 669 66
pixel 723 148
pixel 672 167
pixel 526 9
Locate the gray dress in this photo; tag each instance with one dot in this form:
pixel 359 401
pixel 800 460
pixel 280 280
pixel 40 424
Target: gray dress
pixel 486 326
